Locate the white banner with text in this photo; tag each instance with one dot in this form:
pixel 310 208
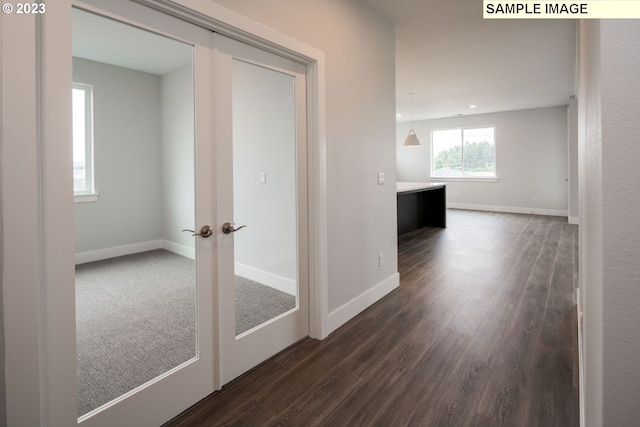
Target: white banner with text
pixel 589 9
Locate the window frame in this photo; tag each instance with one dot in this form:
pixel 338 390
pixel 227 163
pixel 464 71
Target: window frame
pixel 493 178
pixel 88 194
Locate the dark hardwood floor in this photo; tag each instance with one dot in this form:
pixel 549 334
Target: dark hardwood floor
pixel 481 332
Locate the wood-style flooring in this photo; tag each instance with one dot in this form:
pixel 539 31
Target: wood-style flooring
pixel 481 332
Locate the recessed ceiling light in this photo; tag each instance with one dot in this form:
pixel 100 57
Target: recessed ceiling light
pixel 472 106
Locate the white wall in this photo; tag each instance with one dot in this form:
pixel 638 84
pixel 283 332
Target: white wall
pixel 126 108
pixel 3 402
pixel 531 161
pixel 264 141
pixel 620 91
pixel 609 234
pixel 360 101
pixel 572 158
pixel 144 164
pixel 177 161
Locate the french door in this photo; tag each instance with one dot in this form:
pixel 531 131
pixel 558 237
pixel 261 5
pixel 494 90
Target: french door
pixel 262 160
pixel 205 187
pixel 144 220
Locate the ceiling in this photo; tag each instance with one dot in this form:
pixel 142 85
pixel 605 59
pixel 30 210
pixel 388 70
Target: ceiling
pixel 446 54
pixel 451 58
pixel 111 42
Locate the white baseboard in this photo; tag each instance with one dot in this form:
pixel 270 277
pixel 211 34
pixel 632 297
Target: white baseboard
pixel 116 251
pixel 351 309
pixel 274 281
pixel 508 209
pixel 134 248
pixel 574 220
pixel 580 359
pixel 179 249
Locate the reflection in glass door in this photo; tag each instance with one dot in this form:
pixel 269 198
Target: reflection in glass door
pixel 135 193
pixel 264 194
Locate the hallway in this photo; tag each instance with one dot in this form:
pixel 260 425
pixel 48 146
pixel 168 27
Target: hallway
pixel 481 332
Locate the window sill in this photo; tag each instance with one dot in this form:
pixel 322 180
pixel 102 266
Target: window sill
pixel 85 197
pixel 466 179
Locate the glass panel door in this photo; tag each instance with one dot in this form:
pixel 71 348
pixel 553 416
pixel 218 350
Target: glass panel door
pixel 143 318
pixel 262 205
pixel 264 194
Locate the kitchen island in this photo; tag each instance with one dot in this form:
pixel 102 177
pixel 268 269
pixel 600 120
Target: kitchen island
pixel 421 204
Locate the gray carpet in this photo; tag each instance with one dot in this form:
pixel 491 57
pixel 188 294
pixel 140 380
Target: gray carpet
pixel 136 320
pixel 256 303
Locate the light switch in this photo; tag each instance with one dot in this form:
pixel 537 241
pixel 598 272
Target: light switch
pixel 380 178
pixel 263 177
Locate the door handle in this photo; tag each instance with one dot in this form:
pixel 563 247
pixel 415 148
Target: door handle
pixel 228 227
pixel 205 231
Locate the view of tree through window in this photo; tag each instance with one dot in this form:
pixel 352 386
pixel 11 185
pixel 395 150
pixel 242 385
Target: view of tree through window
pixel 463 153
pixel 82 139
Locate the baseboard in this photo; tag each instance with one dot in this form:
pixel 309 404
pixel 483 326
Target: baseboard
pixel 574 220
pixel 274 281
pixel 134 248
pixel 116 251
pixel 580 359
pixel 351 309
pixel 179 249
pixel 508 209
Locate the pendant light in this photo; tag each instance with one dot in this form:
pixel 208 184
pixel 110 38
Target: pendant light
pixel 411 140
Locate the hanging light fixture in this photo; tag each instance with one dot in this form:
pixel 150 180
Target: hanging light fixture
pixel 411 140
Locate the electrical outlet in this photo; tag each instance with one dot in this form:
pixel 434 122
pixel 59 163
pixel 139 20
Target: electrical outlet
pixel 380 260
pixel 380 178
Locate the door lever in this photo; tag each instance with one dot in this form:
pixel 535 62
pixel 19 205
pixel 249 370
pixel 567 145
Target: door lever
pixel 228 227
pixel 205 231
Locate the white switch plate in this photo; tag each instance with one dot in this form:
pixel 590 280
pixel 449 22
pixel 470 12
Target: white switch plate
pixel 380 260
pixel 263 177
pixel 380 178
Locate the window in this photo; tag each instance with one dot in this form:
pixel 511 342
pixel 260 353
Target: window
pixel 467 153
pixel 83 185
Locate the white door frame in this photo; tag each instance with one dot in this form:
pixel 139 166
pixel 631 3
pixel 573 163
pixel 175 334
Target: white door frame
pixel 34 302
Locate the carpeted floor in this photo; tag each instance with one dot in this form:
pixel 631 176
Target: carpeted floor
pixel 256 303
pixel 136 320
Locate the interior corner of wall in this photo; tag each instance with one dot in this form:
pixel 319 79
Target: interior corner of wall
pixel 351 309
